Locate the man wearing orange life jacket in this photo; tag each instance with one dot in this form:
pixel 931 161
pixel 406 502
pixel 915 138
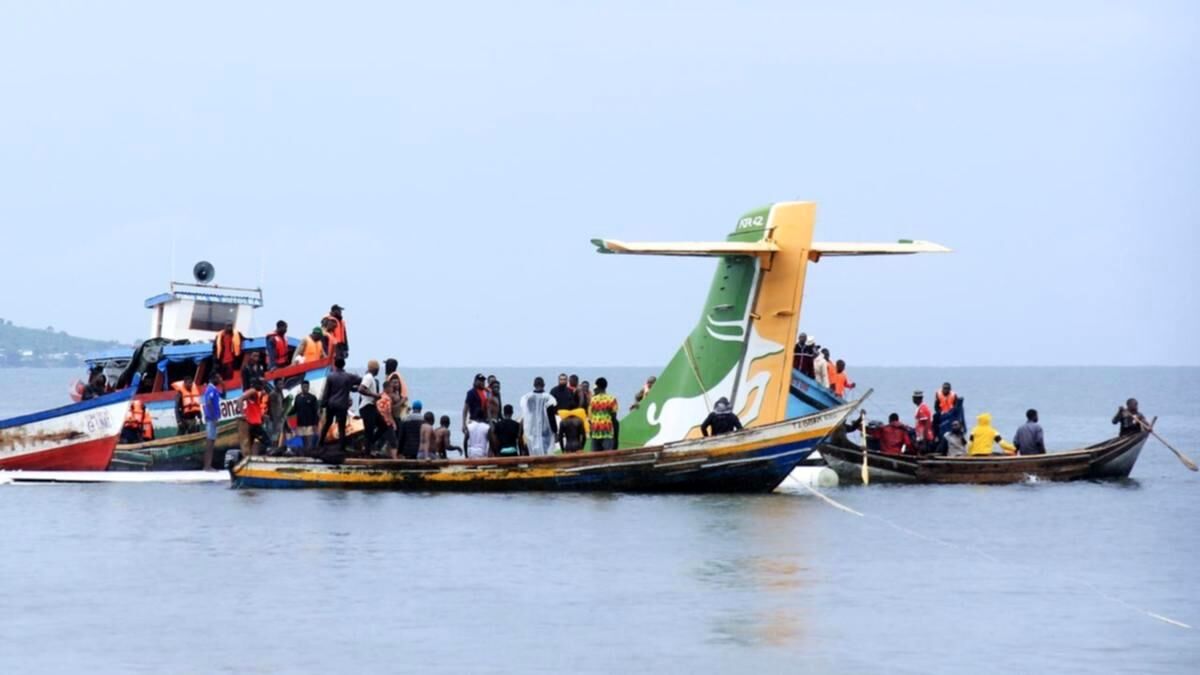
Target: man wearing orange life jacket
pixel 839 382
pixel 335 328
pixel 227 351
pixel 948 408
pixel 187 406
pixel 138 426
pixel 312 348
pixel 277 347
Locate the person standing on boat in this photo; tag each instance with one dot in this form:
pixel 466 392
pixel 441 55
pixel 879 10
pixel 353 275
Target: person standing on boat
pixel 839 382
pixel 948 408
pixel 806 353
pixel 565 396
pixel 410 432
pixel 308 416
pixel 572 434
pixel 539 417
pixel 277 347
pixel 368 396
pixel 602 417
pixel 821 367
pixel 478 437
pixel 428 440
pixel 506 434
pixel 1029 439
pixel 722 419
pixel 387 424
pixel 212 418
pixel 312 348
pixel 335 328
pixel 476 401
pixel 585 394
pixel 400 398
pixel 1131 421
pixel 252 369
pixel 495 405
pixel 925 438
pixel 441 438
pixel 335 399
pixel 227 351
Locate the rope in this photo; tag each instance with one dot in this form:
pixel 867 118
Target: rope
pixel 687 350
pixel 983 554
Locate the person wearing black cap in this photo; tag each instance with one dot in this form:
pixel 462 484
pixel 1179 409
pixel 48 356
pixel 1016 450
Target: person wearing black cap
pixel 476 402
pixel 722 419
pixel 335 328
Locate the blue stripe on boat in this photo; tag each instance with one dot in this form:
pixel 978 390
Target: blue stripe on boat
pixel 98 402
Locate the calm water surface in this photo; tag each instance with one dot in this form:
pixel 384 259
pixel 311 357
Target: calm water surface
pixel 1036 577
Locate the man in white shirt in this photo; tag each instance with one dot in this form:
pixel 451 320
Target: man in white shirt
pixel 821 367
pixel 478 436
pixel 368 394
pixel 538 418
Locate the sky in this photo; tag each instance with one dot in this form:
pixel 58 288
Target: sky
pixel 439 170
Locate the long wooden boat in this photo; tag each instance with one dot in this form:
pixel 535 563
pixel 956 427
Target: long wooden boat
pixel 76 437
pixel 752 460
pixel 1108 460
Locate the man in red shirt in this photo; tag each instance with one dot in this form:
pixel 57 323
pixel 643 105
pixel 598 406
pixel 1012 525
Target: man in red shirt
pixel 253 402
pixel 924 418
pixel 893 437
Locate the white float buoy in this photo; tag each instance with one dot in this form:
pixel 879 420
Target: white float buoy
pixel 814 476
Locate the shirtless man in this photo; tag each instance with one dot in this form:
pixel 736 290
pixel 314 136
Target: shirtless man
pixel 571 434
pixel 428 443
pixel 441 438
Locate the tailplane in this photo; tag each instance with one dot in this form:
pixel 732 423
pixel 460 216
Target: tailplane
pixel 741 349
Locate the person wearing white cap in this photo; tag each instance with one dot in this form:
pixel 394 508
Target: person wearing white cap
pixel 806 353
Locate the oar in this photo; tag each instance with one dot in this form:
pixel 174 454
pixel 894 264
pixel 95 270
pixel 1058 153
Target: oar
pixel 866 473
pixel 1182 457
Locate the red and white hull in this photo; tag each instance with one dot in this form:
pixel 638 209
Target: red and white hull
pixel 77 437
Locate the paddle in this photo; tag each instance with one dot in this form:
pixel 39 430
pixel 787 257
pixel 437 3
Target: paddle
pixel 866 473
pixel 1182 457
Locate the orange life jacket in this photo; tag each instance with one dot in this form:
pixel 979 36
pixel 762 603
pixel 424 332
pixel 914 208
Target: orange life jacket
pixel 232 343
pixel 838 382
pixel 280 345
pixel 139 418
pixel 190 397
pixel 338 335
pixel 946 403
pixel 312 350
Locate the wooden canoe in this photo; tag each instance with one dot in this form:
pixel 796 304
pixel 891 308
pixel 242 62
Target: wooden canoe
pixel 1110 459
pixel 752 460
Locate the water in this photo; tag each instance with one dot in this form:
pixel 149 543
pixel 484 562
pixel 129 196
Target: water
pixel 1035 578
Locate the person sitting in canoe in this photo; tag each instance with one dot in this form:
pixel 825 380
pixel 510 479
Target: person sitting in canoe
pixel 984 438
pixel 894 438
pixel 722 419
pixel 953 442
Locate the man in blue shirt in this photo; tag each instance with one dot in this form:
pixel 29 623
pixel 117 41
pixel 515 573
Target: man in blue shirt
pixel 212 415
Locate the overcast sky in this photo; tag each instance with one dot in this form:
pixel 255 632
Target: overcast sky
pixel 438 168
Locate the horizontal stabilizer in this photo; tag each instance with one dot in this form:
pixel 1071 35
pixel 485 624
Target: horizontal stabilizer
pixel 687 248
pixel 902 247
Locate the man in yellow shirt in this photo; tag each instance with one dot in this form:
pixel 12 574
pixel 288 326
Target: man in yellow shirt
pixel 984 436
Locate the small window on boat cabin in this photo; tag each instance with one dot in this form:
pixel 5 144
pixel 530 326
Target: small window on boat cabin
pixel 212 316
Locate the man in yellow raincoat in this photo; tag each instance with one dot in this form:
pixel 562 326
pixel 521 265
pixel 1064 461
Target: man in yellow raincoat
pixel 984 436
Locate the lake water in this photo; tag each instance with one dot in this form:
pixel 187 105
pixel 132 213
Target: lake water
pixel 1027 578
